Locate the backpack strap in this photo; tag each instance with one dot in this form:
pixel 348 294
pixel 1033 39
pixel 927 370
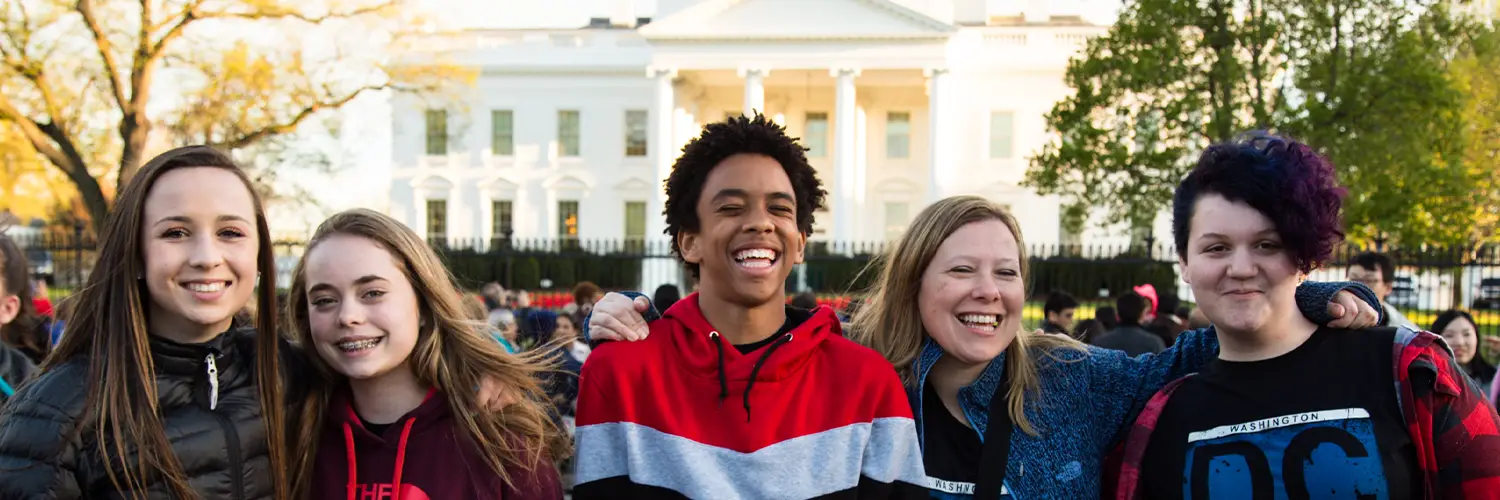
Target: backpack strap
pixel 996 449
pixel 1139 438
pixel 6 389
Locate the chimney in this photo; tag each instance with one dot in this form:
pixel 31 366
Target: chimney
pixel 622 13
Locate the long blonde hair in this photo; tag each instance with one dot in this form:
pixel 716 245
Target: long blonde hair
pixel 891 323
pixel 454 353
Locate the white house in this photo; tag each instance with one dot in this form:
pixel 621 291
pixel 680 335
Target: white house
pixel 569 133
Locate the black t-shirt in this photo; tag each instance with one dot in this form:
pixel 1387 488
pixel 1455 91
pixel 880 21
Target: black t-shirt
pixel 1321 421
pixel 794 316
pixel 951 450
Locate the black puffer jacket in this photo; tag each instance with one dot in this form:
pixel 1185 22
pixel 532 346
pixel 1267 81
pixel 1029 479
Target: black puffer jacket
pixel 15 369
pixel 221 444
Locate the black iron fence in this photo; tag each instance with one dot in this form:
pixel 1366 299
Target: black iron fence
pixel 1426 280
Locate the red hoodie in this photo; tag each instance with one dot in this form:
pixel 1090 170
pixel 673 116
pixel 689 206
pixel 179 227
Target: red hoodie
pixel 422 456
pixel 684 414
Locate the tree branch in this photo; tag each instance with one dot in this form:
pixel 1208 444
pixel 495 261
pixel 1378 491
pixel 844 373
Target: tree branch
pixel 290 125
pixel 40 139
pixel 187 16
pixel 282 13
pixel 106 50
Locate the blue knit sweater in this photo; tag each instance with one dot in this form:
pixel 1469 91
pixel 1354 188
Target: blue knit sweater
pixel 1087 401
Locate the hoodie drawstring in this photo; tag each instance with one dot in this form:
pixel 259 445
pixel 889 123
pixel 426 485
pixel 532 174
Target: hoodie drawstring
pixel 723 378
pixel 756 369
pixel 354 461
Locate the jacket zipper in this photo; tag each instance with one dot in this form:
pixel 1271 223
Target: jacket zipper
pixel 231 435
pixel 213 383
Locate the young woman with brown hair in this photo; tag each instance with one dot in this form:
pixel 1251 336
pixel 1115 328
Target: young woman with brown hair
pixel 398 358
pixel 156 391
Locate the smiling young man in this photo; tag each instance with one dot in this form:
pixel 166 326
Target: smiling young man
pixel 734 394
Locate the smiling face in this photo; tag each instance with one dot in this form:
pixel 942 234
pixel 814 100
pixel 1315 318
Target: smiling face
pixel 363 311
pixel 200 246
pixel 565 328
pixel 1462 338
pixel 747 240
pixel 972 292
pixel 1241 274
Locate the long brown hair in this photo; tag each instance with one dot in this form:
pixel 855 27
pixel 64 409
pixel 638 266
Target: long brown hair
pixel 108 326
pixel 891 323
pixel 454 353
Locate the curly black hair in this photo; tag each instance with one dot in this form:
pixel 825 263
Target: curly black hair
pixel 757 135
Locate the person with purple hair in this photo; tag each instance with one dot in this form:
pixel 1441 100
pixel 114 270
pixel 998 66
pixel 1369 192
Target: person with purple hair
pixel 1290 409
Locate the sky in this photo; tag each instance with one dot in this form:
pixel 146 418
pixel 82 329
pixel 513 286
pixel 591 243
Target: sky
pixel 574 13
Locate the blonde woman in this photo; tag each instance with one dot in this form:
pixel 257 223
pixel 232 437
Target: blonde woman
pixel 392 406
pixel 989 396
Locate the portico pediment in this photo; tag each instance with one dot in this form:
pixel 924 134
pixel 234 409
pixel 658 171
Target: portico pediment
pixel 565 183
pixel 796 20
pixel 633 185
pixel 499 188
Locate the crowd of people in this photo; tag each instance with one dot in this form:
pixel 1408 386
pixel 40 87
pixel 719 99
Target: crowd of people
pixel 178 372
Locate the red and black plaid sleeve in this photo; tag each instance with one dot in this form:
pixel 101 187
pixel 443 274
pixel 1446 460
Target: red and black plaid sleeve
pixel 1457 433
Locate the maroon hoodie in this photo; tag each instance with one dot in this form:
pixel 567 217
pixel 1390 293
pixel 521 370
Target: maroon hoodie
pixel 422 456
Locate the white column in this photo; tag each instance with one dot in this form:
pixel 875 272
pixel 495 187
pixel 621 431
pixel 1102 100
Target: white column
pixel 939 148
pixel 657 269
pixel 755 89
pixel 844 177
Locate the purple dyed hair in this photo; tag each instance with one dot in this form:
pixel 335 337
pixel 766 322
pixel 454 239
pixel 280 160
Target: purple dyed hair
pixel 1283 179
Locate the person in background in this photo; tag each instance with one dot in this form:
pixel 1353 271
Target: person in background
pixel 666 295
pixel 41 298
pixel 585 294
pixel 1107 317
pixel 1377 271
pixel 1088 330
pixel 15 366
pixel 1461 332
pixel 1130 336
pixel 59 320
pixel 503 322
pixel 23 327
pixel 1148 291
pixel 570 353
pixel 805 300
pixel 1167 325
pixel 494 296
pixel 534 328
pixel 1058 311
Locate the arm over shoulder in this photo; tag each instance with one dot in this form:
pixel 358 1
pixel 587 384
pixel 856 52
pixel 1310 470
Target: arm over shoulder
pixel 1120 386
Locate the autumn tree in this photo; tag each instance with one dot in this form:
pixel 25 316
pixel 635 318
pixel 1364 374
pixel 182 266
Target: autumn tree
pixel 1476 73
pixel 1363 80
pixel 95 85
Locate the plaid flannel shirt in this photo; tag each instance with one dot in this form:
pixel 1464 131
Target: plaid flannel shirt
pixel 1455 430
